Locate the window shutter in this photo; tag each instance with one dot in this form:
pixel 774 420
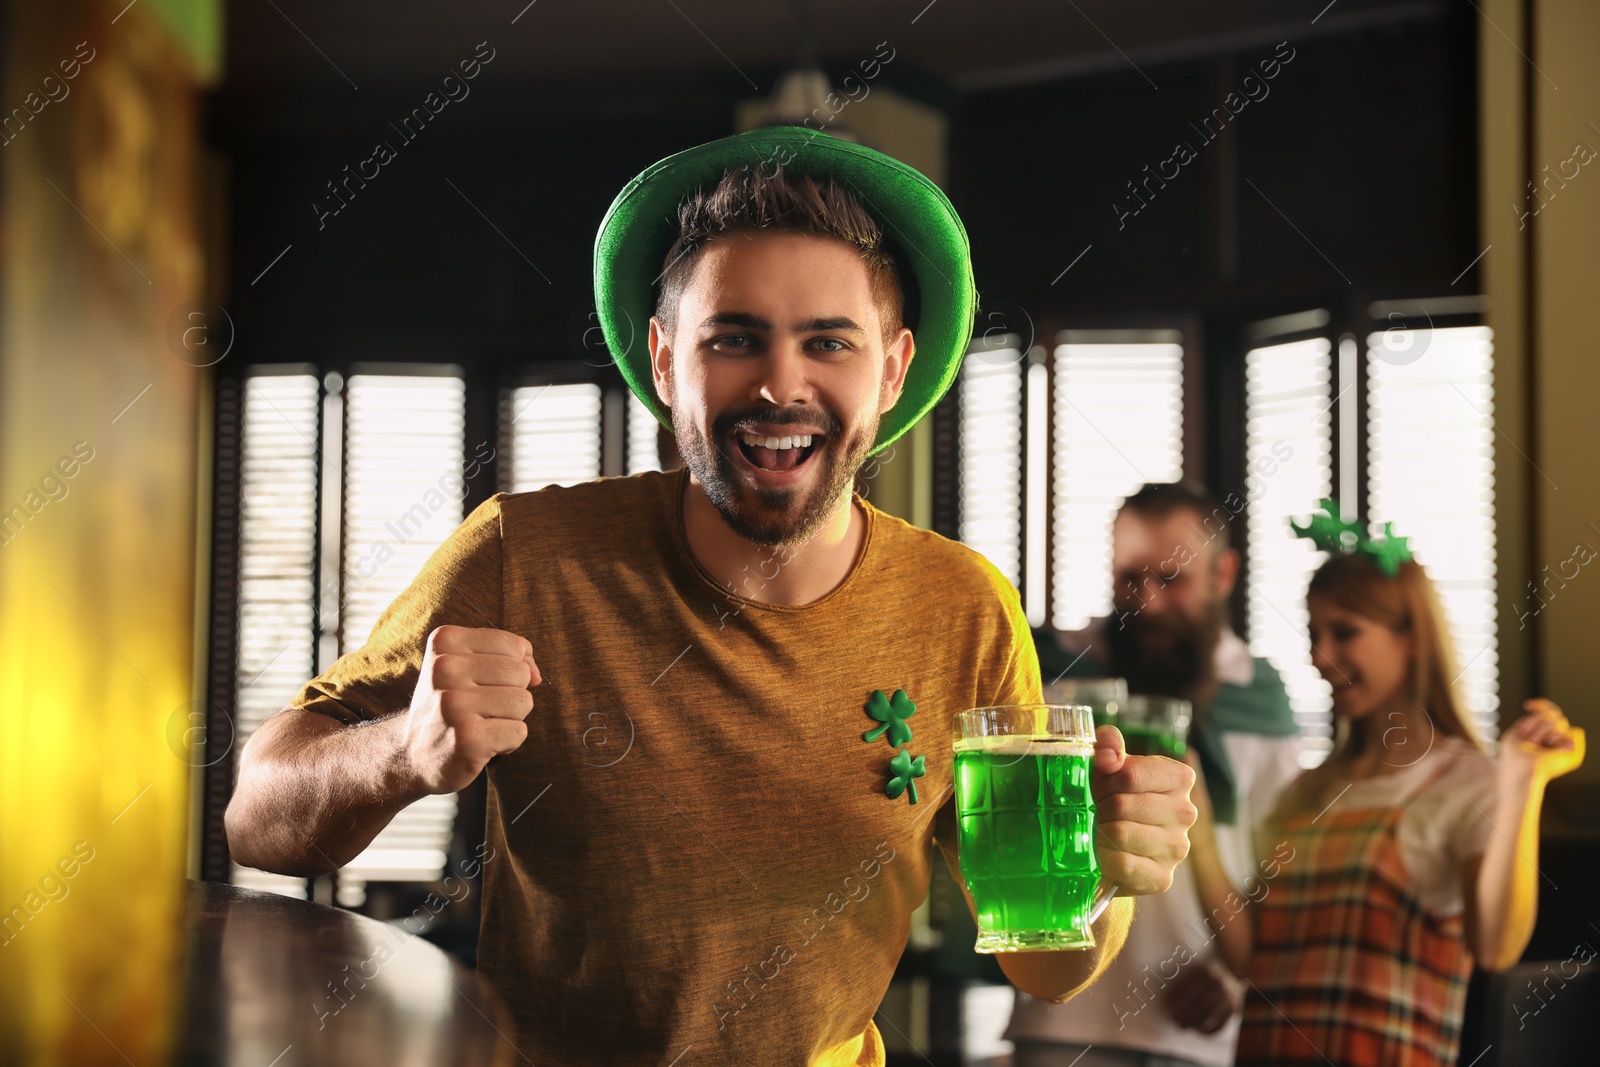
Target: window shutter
pixel 642 428
pixel 276 561
pixel 1430 440
pixel 1288 471
pixel 991 456
pixel 1118 424
pixel 552 434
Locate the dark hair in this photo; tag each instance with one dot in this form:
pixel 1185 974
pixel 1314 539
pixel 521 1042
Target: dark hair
pixel 750 198
pixel 1157 500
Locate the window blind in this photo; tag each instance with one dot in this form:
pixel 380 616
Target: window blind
pixel 552 434
pixel 277 542
pixel 1430 443
pixel 1118 423
pixel 642 426
pixel 991 456
pixel 1289 469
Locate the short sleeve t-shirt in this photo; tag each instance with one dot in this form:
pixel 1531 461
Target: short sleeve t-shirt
pixel 695 848
pixel 1449 797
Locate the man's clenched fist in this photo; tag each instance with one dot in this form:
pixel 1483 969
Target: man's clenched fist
pixel 471 699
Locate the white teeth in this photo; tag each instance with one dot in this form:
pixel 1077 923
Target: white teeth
pixel 757 440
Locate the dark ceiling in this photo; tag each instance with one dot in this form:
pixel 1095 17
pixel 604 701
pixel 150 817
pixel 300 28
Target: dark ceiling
pixel 965 44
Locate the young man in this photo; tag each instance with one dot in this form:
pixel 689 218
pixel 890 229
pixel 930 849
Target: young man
pixel 698 839
pixel 1168 1000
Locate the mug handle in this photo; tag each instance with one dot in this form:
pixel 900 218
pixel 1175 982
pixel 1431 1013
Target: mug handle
pixel 1102 900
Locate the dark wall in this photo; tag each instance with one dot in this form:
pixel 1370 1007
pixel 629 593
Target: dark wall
pixel 1365 142
pixel 409 268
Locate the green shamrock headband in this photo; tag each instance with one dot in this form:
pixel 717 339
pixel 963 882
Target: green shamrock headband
pixel 1333 534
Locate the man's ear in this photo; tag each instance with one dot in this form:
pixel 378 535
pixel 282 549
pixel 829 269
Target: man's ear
pixel 896 362
pixel 1227 571
pixel 660 360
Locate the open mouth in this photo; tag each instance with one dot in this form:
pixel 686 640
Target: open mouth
pixel 781 455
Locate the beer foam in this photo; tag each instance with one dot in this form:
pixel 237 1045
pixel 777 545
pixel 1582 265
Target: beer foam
pixel 1020 745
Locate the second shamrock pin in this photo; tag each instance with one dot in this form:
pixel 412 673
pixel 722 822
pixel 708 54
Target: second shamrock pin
pixel 891 712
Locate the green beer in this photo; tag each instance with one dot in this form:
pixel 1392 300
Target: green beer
pixel 1152 725
pixel 1145 741
pixel 1026 839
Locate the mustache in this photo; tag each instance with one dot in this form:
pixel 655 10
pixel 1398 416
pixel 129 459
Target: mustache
pixel 1167 624
pixel 1183 631
pixel 1167 654
pixel 731 419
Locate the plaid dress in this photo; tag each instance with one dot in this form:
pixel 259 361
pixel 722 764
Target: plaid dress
pixel 1349 967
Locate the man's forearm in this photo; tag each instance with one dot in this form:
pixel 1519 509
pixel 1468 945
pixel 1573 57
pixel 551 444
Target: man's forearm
pixel 1058 975
pixel 313 792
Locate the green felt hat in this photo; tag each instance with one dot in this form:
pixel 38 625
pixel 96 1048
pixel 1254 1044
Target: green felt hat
pixel 916 215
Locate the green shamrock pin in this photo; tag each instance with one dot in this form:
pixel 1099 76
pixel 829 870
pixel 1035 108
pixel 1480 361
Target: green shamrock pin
pixel 892 712
pixel 906 771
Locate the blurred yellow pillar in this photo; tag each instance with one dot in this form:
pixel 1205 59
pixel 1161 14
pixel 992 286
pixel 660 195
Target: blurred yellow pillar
pixel 99 451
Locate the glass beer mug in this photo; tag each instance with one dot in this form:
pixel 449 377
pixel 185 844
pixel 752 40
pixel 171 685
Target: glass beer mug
pixel 1026 825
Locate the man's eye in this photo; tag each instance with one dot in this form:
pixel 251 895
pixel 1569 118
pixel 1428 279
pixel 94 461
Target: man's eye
pixel 832 341
pixel 732 340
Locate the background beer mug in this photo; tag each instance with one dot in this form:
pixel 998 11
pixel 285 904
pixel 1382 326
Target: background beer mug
pixel 1153 725
pixel 1026 815
pixel 1104 696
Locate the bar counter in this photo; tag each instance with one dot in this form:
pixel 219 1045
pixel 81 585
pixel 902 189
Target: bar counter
pixel 277 982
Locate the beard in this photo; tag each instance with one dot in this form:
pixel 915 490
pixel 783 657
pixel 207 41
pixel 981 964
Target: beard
pixel 1170 655
pixel 774 518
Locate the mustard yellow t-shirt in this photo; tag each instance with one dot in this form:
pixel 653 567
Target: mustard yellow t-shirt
pixel 694 853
